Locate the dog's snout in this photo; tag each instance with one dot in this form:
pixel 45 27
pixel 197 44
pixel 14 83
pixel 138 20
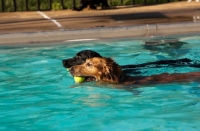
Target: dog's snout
pixel 63 62
pixel 66 63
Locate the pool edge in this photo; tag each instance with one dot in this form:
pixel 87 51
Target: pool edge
pixel 164 29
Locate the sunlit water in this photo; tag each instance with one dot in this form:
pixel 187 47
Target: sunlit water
pixel 37 93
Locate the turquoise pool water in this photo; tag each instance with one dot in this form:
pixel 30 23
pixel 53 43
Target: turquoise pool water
pixel 37 93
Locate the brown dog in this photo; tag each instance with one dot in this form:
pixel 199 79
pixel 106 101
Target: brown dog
pixel 106 70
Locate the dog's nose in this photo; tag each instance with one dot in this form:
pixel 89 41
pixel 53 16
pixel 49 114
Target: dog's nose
pixel 63 62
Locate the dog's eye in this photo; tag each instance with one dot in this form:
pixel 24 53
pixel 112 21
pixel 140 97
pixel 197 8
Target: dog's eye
pixel 89 64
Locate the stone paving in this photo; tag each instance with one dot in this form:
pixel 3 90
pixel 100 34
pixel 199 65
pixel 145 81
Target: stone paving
pixel 14 22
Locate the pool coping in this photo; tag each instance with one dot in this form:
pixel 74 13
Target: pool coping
pixel 148 30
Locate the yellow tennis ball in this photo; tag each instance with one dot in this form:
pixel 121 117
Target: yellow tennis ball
pixel 79 79
pixel 67 69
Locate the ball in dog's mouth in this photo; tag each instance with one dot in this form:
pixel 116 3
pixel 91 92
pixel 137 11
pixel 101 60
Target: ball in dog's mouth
pixel 81 79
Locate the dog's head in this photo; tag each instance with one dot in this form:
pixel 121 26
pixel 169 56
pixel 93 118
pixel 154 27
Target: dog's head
pixel 80 58
pixel 101 69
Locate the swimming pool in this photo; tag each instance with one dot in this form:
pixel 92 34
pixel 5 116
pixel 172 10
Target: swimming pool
pixel 36 91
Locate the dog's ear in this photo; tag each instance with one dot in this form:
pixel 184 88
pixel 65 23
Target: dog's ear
pixel 85 54
pixel 111 71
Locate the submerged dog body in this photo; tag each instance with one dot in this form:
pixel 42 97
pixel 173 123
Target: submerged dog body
pixel 106 70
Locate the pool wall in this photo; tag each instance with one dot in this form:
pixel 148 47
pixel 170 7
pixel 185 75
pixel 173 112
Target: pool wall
pixel 102 33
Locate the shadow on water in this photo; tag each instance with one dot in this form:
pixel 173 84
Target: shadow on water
pixel 168 46
pixel 195 91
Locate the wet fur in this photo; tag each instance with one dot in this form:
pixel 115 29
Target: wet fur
pixel 102 69
pixel 106 70
pixel 80 58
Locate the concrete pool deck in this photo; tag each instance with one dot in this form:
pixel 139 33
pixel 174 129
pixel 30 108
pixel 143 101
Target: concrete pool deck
pixel 127 21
